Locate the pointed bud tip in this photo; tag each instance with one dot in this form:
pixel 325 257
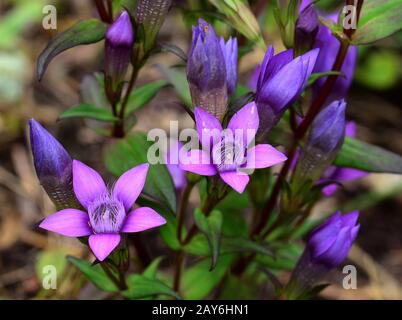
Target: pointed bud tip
pixel 121 32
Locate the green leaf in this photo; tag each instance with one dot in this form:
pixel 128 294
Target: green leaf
pixel 363 156
pixel 316 76
pixel 151 270
pixel 141 96
pixel 211 227
pixel 378 19
pixel 84 32
pixel 90 112
pixel 198 281
pixel 132 151
pixel 140 287
pixel 240 244
pixel 95 274
pixel 178 80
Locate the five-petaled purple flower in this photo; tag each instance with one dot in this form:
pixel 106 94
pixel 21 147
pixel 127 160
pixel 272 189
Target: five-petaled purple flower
pixel 281 81
pixel 227 152
pixel 107 212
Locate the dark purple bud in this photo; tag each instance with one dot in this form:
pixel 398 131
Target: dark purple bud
pixel 118 47
pixel 53 166
pixel 326 138
pixel 230 53
pixel 327 247
pixel 307 26
pixel 206 71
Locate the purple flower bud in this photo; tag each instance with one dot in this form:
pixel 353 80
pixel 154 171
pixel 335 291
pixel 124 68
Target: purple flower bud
pixel 53 166
pixel 230 53
pixel 281 82
pixel 206 71
pixel 329 46
pixel 307 26
pixel 118 47
pixel 327 247
pixel 325 139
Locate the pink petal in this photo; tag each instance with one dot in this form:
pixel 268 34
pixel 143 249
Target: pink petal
pixel 103 244
pixel 87 183
pixel 142 219
pixel 129 186
pixel 68 222
pixel 245 123
pixel 264 156
pixel 208 127
pixel 199 162
pixel 237 180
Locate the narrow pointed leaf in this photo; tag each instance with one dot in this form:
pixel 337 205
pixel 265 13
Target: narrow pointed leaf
pixel 363 156
pixel 90 112
pixel 84 32
pixel 140 287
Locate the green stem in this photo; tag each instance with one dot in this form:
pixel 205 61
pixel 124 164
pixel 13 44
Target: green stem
pixel 182 210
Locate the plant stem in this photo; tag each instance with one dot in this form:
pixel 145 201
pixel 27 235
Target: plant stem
pixel 103 14
pixel 177 270
pixel 182 210
pixel 119 282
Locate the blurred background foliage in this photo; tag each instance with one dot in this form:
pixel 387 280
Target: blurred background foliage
pixel 374 103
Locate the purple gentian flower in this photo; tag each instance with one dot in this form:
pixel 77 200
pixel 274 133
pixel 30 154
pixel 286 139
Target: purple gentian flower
pixel 307 26
pixel 329 47
pixel 330 243
pixel 342 174
pixel 327 246
pixel 324 141
pixel 206 71
pixel 230 53
pixel 107 213
pixel 119 41
pixel 281 82
pixel 227 152
pixel 53 166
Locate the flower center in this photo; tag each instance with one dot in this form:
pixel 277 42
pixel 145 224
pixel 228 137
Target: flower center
pixel 106 214
pixel 228 154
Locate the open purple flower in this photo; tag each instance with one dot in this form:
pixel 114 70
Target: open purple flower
pixel 281 81
pixel 227 152
pixel 107 212
pixel 339 174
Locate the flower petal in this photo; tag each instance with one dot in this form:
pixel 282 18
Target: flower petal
pixel 237 180
pixel 103 244
pixel 245 122
pixel 208 127
pixel 199 162
pixel 87 183
pixel 264 156
pixel 68 222
pixel 130 184
pixel 142 219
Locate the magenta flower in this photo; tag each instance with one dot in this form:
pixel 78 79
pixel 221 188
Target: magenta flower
pixel 107 213
pixel 227 152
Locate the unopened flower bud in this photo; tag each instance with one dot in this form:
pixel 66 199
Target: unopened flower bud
pixel 307 26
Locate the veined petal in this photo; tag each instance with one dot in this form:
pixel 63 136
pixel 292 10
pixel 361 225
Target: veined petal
pixel 103 244
pixel 142 219
pixel 87 183
pixel 208 127
pixel 68 222
pixel 264 156
pixel 199 162
pixel 237 180
pixel 245 122
pixel 129 186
